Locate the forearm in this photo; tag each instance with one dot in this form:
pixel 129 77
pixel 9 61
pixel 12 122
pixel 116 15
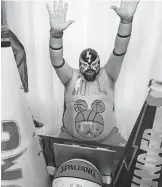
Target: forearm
pixel 123 37
pixel 63 70
pixel 114 63
pixel 56 50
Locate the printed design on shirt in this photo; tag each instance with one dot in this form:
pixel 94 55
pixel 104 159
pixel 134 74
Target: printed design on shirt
pixel 88 122
pixel 81 87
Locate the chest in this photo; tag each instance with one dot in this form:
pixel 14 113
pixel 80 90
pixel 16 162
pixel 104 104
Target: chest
pixel 100 89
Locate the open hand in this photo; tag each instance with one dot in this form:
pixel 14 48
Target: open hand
pixel 58 16
pixel 126 10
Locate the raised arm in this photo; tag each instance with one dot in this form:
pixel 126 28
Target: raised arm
pixel 126 13
pixel 58 25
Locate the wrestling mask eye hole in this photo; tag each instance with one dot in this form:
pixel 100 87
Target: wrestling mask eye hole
pixel 94 63
pixel 84 64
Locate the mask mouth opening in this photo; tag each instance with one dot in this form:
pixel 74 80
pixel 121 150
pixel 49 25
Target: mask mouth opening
pixel 90 75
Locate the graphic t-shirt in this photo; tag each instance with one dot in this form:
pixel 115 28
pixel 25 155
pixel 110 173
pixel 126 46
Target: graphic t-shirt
pixel 89 111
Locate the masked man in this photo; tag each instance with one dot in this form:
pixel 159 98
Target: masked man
pixel 89 91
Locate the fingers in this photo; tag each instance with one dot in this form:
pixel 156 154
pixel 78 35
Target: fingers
pixel 116 9
pixel 55 6
pixel 65 8
pixel 49 10
pixel 68 24
pixel 122 3
pixel 60 6
pixel 136 1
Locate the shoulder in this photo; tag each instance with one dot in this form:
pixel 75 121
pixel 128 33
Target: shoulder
pixel 104 76
pixel 73 78
pixel 75 73
pixel 103 72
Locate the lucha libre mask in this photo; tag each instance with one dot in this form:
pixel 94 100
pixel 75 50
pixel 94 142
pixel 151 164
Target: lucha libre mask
pixel 89 64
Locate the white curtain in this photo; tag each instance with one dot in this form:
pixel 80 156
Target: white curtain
pixel 96 27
